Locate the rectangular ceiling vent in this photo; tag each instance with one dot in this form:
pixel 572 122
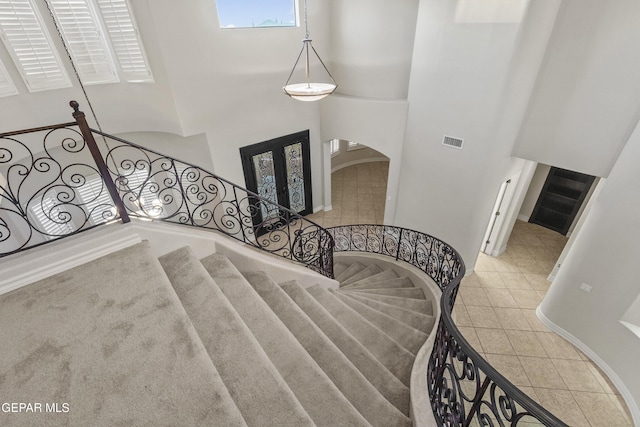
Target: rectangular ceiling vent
pixel 452 142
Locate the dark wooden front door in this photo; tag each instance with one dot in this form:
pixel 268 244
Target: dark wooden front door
pixel 560 199
pixel 279 170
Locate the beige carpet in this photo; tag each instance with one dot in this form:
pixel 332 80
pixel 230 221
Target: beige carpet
pixel 129 340
pixel 110 342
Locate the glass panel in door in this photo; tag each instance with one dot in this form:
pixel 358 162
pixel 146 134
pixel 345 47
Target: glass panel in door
pixel 295 176
pixel 266 183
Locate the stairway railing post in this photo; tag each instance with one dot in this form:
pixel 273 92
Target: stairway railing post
pixel 399 243
pixel 97 158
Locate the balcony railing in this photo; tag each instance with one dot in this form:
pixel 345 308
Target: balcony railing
pixel 464 389
pixel 57 181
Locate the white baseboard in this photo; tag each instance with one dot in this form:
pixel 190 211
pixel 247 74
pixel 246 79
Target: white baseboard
pixel 328 208
pixel 318 208
pixel 499 251
pixel 524 218
pixel 615 379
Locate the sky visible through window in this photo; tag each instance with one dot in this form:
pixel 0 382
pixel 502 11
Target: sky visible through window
pixel 256 13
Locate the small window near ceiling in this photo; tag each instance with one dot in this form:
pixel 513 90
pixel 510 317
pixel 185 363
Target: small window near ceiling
pixel 335 146
pixel 354 146
pixel 256 13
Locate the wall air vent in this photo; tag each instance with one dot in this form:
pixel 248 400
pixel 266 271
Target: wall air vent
pixel 452 142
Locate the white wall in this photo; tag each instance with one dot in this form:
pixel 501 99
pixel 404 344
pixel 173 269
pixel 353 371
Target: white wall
pixel 587 97
pixel 604 255
pixel 376 123
pixel 228 83
pixel 120 107
pixel 472 81
pixel 530 199
pixel 192 149
pixel 371 46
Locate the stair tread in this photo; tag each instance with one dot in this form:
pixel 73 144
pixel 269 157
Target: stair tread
pixel 368 271
pixel 423 322
pixel 399 282
pixel 245 368
pixel 353 268
pixel 396 358
pixel 413 293
pixel 383 275
pixel 419 306
pixel 377 374
pixel 351 382
pixel 338 268
pixel 101 344
pixel 407 336
pixel 318 395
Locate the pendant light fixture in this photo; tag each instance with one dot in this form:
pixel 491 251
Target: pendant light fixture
pixel 308 91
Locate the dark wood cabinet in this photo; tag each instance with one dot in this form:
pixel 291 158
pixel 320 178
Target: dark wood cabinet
pixel 560 199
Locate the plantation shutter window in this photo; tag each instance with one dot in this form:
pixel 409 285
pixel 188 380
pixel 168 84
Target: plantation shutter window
pixel 126 43
pixel 22 32
pixel 52 218
pixel 81 29
pixel 97 201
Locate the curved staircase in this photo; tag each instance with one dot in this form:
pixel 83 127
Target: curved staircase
pixel 178 340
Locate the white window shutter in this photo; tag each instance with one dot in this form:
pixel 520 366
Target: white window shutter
pixel 47 212
pixel 335 146
pixel 30 46
pixel 96 199
pixel 120 24
pixel 7 88
pixel 81 29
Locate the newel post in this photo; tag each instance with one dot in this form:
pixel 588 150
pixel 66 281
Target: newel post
pixel 97 158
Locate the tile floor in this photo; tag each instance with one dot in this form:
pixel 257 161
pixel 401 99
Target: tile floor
pixel 496 306
pixel 358 195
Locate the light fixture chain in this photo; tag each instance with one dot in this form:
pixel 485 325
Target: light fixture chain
pixel 73 65
pixel 306 24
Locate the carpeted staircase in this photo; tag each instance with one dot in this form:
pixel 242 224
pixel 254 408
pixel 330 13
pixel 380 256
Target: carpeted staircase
pixel 131 339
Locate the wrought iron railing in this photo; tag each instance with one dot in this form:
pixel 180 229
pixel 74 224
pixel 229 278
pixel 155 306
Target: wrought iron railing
pixel 464 389
pixel 56 181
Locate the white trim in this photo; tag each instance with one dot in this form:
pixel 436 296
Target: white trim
pixel 499 251
pixel 69 253
pixel 357 162
pixel 524 218
pixel 328 208
pixel 635 329
pixel 613 377
pixel 319 208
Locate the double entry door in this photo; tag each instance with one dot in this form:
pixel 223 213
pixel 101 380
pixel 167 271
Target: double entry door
pixel 279 170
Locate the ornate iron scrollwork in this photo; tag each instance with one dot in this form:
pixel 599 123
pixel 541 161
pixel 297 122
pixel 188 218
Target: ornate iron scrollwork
pixel 48 188
pixel 158 187
pixel 464 389
pixel 55 181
